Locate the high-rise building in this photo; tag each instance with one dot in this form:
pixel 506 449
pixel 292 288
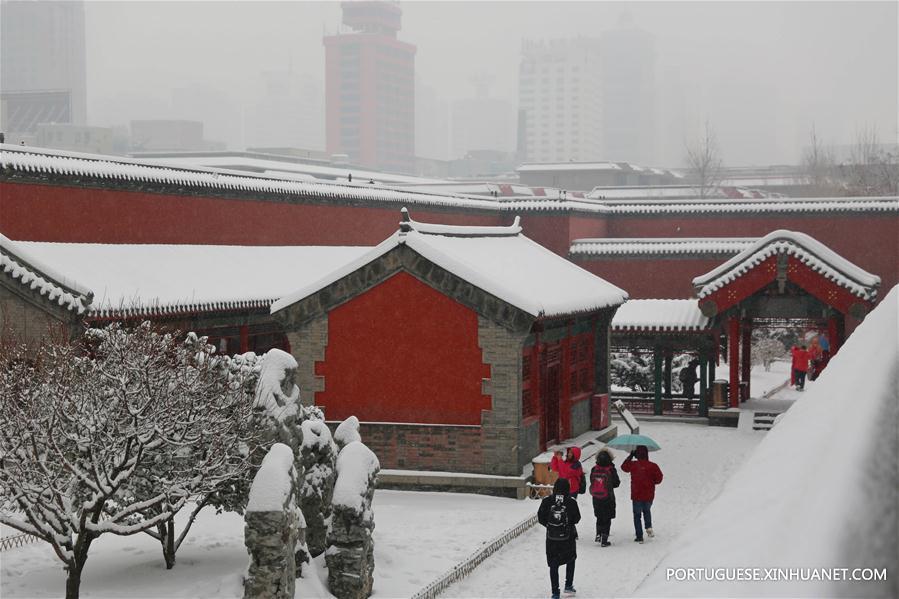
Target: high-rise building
pixel 559 100
pixel 370 89
pixel 482 122
pixel 628 94
pixel 42 64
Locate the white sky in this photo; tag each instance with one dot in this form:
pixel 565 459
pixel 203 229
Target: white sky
pixel 760 72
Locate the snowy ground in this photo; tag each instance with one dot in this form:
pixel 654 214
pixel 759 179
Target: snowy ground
pixel 418 537
pixel 421 535
pixel 696 461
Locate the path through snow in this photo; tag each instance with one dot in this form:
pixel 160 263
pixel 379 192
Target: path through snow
pixel 696 461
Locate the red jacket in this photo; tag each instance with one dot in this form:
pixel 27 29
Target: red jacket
pixel 571 470
pixel 800 359
pixel 645 475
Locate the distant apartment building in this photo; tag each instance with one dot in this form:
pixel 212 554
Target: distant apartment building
pixel 170 135
pixel 559 91
pixel 628 93
pixel 482 123
pixel 76 138
pixel 370 89
pixel 42 65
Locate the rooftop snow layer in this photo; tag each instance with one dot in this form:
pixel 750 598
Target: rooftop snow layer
pixel 569 166
pixel 659 245
pixel 808 250
pixel 660 315
pixel 17 158
pixel 147 279
pixel 776 522
pixel 499 260
pixel 18 261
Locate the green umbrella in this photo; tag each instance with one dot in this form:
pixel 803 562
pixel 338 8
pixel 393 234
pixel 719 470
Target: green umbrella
pixel 631 442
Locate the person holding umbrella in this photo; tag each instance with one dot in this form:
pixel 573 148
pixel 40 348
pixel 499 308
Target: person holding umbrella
pixel 645 475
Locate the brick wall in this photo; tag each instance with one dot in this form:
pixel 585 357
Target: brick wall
pixel 22 321
pixel 504 452
pixel 307 344
pixel 424 446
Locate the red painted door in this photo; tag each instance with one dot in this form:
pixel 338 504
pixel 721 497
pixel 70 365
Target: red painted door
pixel 550 392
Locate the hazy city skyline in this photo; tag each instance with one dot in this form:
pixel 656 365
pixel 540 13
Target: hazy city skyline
pixel 760 72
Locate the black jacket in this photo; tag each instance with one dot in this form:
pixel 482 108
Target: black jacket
pixel 560 552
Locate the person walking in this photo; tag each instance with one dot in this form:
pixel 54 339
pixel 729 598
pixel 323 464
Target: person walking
pixel 800 366
pixel 645 475
pixel 570 468
pixel 688 378
pixel 603 482
pixel 559 514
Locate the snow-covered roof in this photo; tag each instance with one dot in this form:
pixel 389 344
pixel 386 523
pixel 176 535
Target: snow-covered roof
pixel 19 262
pixel 627 246
pixel 134 280
pixel 785 490
pixel 808 250
pixel 498 260
pixel 59 162
pixel 660 315
pixel 615 192
pixel 569 166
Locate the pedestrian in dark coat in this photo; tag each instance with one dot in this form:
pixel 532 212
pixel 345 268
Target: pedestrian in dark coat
pixel 564 550
pixel 645 475
pixel 603 482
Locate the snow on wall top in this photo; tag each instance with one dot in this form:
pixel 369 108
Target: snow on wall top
pixel 660 315
pixel 791 465
pixel 134 280
pixel 19 262
pixel 70 163
pixel 659 245
pixel 569 166
pixel 271 488
pixel 498 260
pixel 808 250
pixel 63 163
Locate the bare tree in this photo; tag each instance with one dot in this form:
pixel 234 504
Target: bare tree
pixel 872 170
pixel 818 165
pixel 704 160
pixel 82 429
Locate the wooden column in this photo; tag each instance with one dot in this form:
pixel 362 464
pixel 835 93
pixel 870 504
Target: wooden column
pixel 746 354
pixel 657 380
pixel 835 332
pixel 667 374
pixel 703 384
pixel 244 338
pixel 713 361
pixel 733 359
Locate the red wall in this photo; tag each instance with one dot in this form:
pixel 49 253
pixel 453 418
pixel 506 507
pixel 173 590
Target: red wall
pixel 651 277
pixel 870 240
pixel 78 214
pixel 403 352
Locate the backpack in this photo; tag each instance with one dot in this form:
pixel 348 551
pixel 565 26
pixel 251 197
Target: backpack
pixel 599 485
pixel 557 527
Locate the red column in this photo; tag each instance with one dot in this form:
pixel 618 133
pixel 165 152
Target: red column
pixel 733 359
pixel 565 395
pixel 834 333
pixel 746 365
pixel 244 338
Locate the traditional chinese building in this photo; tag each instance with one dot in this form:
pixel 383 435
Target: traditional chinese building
pixel 460 348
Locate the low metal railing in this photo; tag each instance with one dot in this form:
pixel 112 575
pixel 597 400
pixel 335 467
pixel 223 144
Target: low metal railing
pixel 463 569
pixel 13 541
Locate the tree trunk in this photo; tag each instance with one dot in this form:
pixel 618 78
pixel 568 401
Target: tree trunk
pixel 167 539
pixel 73 582
pixel 76 566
